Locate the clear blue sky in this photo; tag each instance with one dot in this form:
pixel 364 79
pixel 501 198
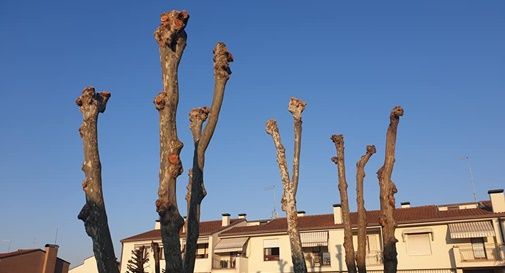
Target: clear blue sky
pixel 443 61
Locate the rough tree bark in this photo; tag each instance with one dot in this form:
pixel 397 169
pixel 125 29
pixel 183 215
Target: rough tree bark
pixel 201 140
pixel 387 191
pixel 156 254
pixel 342 188
pixel 171 38
pixel 290 186
pixel 93 213
pixel 362 223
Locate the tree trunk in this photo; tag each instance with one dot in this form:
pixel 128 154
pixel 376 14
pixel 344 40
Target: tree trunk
pixel 342 187
pixel 201 141
pixel 156 254
pixel 387 191
pixel 362 223
pixel 290 186
pixel 171 38
pixel 93 213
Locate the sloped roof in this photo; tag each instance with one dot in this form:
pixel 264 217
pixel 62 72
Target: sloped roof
pixel 18 252
pixel 206 228
pixel 411 215
pixel 26 251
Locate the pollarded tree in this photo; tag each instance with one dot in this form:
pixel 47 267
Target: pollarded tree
pixel 362 222
pixel 290 185
pixel 93 214
pixel 171 38
pixel 387 191
pixel 387 194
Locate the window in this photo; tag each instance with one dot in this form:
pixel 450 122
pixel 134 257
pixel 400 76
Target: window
pixel 271 250
pixel 316 256
pixel 418 244
pixel 202 251
pixel 479 251
pixel 271 253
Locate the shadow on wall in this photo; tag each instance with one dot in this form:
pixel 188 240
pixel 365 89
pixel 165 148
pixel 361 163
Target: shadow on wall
pixel 282 265
pixel 339 257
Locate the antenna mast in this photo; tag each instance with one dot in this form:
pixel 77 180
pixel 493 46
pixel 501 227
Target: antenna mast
pixel 472 180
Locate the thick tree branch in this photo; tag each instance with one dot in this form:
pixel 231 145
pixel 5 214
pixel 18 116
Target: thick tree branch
pixel 171 39
pixel 362 223
pixel 273 130
pixel 288 194
pixel 222 72
pixel 342 187
pixel 93 214
pixel 201 139
pixel 296 107
pixel 197 117
pixel 387 191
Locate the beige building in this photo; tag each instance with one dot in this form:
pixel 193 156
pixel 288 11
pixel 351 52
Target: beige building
pixel 88 266
pixel 455 238
pixel 33 261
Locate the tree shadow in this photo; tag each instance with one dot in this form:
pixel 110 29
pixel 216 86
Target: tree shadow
pixel 282 265
pixel 339 257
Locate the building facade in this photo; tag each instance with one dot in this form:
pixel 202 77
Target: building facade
pixel 455 238
pixel 33 261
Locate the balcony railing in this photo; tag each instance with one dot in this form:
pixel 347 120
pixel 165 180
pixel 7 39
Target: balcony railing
pixel 487 253
pixel 224 264
pixel 374 258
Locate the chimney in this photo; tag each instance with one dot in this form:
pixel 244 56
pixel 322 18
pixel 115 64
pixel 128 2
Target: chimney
pixel 157 224
pixel 337 214
pixel 497 200
pixel 50 258
pixel 300 213
pixel 185 224
pixel 405 205
pixel 242 215
pixel 225 220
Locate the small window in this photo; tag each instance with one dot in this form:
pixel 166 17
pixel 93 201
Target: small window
pixel 202 251
pixel 418 244
pixel 316 256
pixel 271 254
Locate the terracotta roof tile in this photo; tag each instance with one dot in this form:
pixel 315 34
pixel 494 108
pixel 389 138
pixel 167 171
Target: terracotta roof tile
pixel 206 228
pixel 403 216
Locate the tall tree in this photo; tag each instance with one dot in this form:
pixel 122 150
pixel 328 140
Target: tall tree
pixel 362 223
pixel 342 188
pixel 387 192
pixel 138 260
pixel 171 39
pixel 290 185
pixel 93 213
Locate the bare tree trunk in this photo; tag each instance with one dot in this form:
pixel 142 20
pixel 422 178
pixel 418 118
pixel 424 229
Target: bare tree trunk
pixel 171 38
pixel 93 213
pixel 342 188
pixel 362 223
pixel 387 191
pixel 290 187
pixel 156 254
pixel 201 140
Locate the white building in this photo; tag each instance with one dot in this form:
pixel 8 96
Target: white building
pixel 455 238
pixel 88 266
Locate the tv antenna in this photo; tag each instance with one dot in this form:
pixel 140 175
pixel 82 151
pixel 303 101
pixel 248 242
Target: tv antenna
pixel 273 188
pixel 8 245
pixel 470 173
